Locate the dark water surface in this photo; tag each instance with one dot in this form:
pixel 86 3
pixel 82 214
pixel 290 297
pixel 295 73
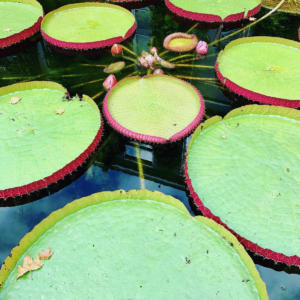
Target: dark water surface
pixel 115 163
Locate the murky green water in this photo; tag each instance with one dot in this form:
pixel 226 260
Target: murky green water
pixel 115 164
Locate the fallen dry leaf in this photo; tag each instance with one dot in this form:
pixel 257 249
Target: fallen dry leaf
pixel 60 111
pixel 14 100
pixel 45 254
pixel 29 265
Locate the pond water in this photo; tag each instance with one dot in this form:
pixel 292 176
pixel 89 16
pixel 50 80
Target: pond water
pixel 117 163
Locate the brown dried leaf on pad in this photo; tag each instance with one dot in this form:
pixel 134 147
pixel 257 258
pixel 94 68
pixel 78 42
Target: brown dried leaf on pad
pixel 45 254
pixel 14 100
pixel 60 111
pixel 29 265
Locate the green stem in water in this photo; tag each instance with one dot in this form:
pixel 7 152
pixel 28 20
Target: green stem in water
pixel 130 59
pixel 249 25
pixel 87 82
pixel 97 95
pixel 128 50
pixel 181 56
pixel 195 66
pixel 193 27
pixel 91 65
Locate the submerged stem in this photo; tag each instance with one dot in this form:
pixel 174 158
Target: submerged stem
pixel 97 95
pixel 128 50
pixel 181 56
pixel 87 82
pixel 195 66
pixel 130 59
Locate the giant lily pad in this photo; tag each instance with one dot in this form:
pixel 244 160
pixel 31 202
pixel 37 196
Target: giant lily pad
pixel 243 172
pixel 290 6
pixel 125 245
pixel 19 20
pixel 214 11
pixel 43 136
pixel 155 109
pixel 85 26
pixel 263 69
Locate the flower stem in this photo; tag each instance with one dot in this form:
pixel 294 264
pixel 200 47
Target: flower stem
pixel 128 50
pixel 181 56
pixel 195 66
pixel 130 59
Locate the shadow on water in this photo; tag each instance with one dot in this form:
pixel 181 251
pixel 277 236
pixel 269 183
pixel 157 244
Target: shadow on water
pixel 114 166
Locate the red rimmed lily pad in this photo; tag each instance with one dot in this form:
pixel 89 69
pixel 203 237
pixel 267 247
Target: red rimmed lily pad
pixel 243 172
pixel 214 11
pixel 88 26
pixel 19 20
pixel 45 136
pixel 131 243
pixel 154 109
pixel 262 69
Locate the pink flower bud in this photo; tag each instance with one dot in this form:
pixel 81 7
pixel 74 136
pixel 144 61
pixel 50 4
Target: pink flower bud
pixel 153 50
pixel 116 49
pixel 158 72
pixel 202 48
pixel 110 82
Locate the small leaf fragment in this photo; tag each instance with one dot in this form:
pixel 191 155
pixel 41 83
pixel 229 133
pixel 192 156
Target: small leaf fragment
pixel 7 30
pixel 60 111
pixel 45 254
pixel 29 265
pixel 14 100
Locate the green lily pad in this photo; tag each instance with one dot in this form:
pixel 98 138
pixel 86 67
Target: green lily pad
pixel 87 23
pixel 16 16
pixel 290 6
pixel 264 69
pixel 118 245
pixel 155 108
pixel 245 169
pixel 43 134
pixel 220 8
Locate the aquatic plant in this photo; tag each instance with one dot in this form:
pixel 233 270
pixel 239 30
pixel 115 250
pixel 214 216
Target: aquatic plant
pixel 200 248
pixel 162 115
pixel 26 22
pixel 46 145
pixel 269 79
pixel 84 34
pixel 257 150
pixel 180 42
